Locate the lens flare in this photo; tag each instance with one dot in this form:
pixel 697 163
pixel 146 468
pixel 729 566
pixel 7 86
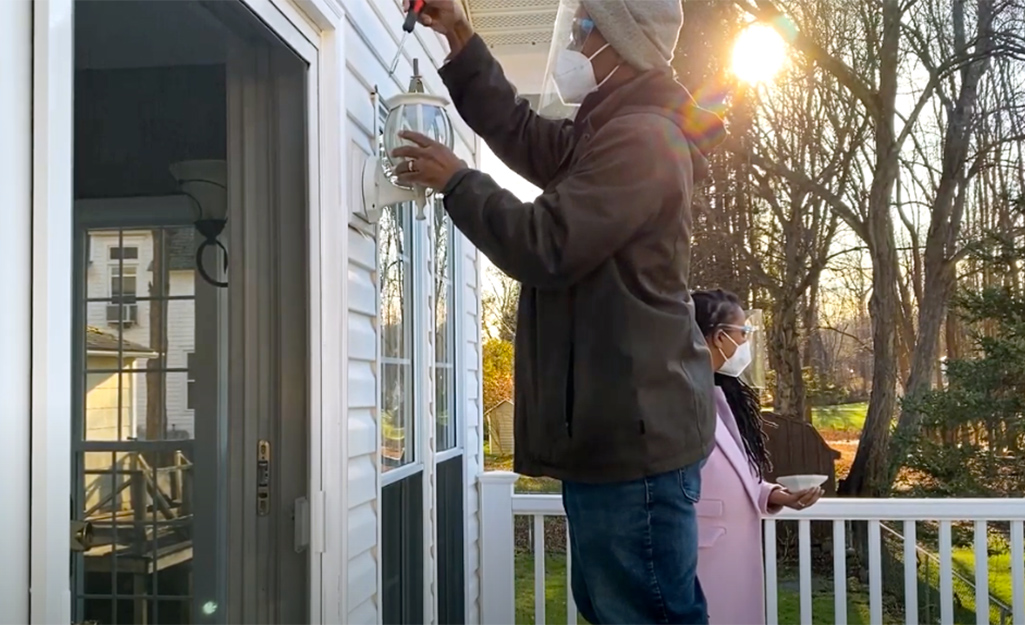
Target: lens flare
pixel 758 54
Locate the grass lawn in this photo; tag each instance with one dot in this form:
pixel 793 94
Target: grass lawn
pixel 844 418
pixel 999 579
pixel 556 597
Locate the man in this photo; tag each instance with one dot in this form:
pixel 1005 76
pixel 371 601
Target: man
pixel 613 381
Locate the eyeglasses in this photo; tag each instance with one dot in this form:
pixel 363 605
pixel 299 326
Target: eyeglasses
pixel 744 330
pixel 579 32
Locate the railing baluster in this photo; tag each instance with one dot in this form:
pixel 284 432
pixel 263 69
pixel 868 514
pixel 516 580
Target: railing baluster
pixel 1018 570
pixel 771 594
pixel 839 573
pixel 875 572
pixel 804 563
pixel 910 573
pixel 981 573
pixel 539 569
pixel 946 576
pixel 571 604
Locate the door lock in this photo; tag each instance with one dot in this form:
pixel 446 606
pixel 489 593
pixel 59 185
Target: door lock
pixel 263 478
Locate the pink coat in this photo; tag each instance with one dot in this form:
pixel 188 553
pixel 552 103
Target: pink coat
pixel 732 504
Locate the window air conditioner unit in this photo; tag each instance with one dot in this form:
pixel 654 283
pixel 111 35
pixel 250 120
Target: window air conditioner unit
pixel 122 314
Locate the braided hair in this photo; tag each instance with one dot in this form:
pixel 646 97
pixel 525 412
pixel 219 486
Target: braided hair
pixel 713 310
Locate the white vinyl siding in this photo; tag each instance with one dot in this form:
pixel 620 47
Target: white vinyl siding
pixel 372 31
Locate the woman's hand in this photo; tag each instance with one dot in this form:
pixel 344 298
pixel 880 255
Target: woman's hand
pixel 429 163
pixel 798 501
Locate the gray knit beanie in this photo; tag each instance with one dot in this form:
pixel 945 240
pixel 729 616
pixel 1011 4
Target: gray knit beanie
pixel 642 32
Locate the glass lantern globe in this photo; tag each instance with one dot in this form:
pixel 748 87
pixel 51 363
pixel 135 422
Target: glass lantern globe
pixel 419 112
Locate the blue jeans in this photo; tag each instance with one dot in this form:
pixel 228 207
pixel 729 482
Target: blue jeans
pixel 634 549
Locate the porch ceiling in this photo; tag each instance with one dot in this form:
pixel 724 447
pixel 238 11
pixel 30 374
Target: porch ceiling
pixel 504 23
pixel 519 33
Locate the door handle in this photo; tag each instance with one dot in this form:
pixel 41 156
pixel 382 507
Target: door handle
pixel 81 536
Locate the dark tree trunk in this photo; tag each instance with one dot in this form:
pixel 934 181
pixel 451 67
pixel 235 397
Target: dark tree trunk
pixel 868 474
pixel 156 387
pixel 785 346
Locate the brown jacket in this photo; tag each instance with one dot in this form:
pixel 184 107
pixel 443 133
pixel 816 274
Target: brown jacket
pixel 613 378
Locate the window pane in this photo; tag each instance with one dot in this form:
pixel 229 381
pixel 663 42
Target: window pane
pixel 396 287
pixel 395 324
pixel 444 328
pixel 124 253
pixel 396 415
pixel 444 407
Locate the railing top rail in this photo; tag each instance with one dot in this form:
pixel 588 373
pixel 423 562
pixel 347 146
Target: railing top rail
pixel 846 509
pixel 168 445
pixel 548 505
pixel 911 509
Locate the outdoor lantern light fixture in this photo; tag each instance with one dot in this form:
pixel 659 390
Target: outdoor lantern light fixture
pixel 417 111
pixel 205 184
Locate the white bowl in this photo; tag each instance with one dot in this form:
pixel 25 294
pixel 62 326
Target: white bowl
pixel 797 483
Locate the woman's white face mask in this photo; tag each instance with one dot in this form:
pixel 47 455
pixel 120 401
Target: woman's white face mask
pixel 736 364
pixel 574 75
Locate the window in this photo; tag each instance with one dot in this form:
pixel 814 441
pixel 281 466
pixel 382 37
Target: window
pixel 398 413
pixel 444 331
pixel 124 253
pixel 124 278
pixel 123 283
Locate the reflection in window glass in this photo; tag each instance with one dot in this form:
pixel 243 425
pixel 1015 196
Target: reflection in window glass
pixel 444 328
pixel 394 237
pixel 134 424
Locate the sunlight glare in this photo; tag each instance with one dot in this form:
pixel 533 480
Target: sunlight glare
pixel 758 54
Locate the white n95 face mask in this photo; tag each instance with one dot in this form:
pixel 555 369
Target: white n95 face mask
pixel 738 362
pixel 574 76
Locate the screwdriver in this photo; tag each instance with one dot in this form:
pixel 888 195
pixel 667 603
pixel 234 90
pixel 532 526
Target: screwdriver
pixel 412 17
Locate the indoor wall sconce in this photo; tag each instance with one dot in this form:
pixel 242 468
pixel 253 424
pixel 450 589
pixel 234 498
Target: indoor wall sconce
pixel 204 182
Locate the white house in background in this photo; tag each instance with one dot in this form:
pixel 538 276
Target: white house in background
pixel 119 270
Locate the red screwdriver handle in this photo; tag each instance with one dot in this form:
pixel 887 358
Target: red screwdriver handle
pixel 415 7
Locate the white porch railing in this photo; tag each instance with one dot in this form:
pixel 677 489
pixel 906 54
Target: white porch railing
pixel 500 506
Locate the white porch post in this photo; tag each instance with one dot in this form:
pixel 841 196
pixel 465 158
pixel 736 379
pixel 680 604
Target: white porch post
pixel 52 312
pixel 498 556
pixel 15 314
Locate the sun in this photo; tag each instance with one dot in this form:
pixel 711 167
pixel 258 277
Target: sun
pixel 758 54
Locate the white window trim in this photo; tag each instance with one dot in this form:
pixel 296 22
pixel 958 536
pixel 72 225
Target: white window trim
pixel 448 454
pixel 400 473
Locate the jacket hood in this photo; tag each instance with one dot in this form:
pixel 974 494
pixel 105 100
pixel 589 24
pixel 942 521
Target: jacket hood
pixel 703 128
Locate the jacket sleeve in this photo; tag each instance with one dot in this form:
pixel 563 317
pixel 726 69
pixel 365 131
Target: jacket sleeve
pixel 628 174
pixel 763 498
pixel 527 143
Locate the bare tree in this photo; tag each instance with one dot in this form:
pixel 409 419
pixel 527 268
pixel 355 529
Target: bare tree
pixel 798 127
pixel 938 33
pixel 869 55
pixel 499 304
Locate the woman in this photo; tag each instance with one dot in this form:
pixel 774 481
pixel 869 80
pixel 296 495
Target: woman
pixel 733 495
